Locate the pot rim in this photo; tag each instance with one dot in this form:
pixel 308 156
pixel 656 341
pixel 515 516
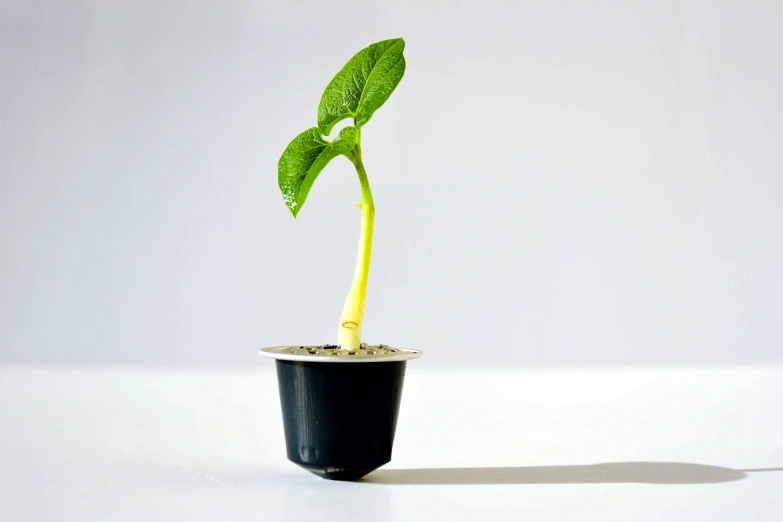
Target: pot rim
pixel 276 352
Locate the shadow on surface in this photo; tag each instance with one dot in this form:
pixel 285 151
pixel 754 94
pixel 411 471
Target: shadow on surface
pixel 608 473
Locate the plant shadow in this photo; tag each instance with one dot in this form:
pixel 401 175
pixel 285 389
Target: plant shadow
pixel 605 473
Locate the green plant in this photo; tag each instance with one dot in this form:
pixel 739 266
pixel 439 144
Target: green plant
pixel 357 91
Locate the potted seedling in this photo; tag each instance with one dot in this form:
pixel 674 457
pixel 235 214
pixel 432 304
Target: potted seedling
pixel 340 402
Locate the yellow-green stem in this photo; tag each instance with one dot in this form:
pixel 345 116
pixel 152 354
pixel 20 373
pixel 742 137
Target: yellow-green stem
pixel 350 333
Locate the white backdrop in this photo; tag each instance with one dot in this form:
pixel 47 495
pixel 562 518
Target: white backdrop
pixel 556 182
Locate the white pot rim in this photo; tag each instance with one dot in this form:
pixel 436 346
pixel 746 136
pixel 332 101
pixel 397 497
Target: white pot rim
pixel 279 353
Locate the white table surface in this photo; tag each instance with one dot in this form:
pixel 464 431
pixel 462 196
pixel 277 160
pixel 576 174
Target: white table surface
pixel 111 444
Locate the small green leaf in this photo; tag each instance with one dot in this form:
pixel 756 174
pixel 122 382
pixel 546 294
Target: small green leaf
pixel 363 85
pixel 304 158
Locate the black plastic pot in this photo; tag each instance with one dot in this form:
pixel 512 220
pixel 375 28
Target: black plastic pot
pixel 340 417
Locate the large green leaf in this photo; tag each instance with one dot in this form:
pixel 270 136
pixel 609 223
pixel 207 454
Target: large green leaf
pixel 304 158
pixel 363 85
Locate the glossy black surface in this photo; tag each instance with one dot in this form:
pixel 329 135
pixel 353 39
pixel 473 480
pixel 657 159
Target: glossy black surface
pixel 340 418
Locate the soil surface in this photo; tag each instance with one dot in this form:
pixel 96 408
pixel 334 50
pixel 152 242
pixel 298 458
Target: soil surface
pixel 365 350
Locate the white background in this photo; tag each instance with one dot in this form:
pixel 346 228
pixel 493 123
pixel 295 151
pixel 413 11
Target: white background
pixel 559 182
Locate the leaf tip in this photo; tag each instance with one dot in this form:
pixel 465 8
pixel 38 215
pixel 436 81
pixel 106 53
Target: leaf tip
pixel 294 208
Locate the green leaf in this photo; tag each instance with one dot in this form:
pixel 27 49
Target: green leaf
pixel 363 85
pixel 304 158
